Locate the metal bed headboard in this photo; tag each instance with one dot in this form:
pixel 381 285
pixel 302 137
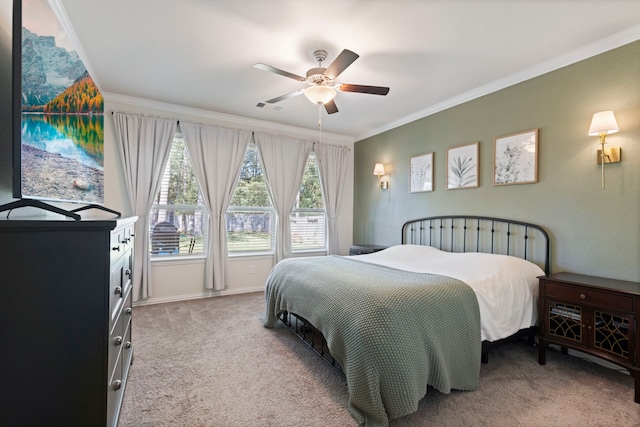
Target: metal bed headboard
pixel 463 233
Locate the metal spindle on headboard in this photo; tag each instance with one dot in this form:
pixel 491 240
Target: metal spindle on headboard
pixel 513 229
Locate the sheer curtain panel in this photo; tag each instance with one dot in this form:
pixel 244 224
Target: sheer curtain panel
pixel 283 162
pixel 216 155
pixel 334 163
pixel 144 145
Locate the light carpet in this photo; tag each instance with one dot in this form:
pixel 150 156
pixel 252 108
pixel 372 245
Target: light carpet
pixel 211 363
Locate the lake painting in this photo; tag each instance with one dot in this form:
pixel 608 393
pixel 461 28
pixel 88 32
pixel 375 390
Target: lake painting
pixel 62 114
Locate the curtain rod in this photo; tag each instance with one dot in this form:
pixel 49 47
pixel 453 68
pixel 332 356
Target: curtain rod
pixel 177 121
pixel 253 133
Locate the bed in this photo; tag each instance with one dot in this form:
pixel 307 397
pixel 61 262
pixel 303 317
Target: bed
pixel 423 313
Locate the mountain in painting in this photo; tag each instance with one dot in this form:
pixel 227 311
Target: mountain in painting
pixel 81 97
pixel 47 70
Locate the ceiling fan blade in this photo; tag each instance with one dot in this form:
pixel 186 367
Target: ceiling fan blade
pixel 286 96
pixel 331 107
pixel 275 70
pixel 341 63
pixel 374 90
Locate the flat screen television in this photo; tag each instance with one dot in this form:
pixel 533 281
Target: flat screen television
pixel 58 111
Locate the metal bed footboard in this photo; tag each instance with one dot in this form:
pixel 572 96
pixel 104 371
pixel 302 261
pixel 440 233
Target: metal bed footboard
pixel 311 336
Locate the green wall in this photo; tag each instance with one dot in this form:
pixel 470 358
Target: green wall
pixel 593 231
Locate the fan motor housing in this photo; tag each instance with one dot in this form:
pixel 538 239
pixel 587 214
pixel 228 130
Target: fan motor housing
pixel 315 76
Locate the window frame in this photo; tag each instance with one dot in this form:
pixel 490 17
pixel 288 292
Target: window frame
pixel 200 213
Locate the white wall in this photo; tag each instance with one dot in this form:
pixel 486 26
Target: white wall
pixel 174 280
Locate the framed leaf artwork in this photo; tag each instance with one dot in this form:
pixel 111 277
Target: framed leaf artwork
pixel 462 166
pixel 421 173
pixel 516 158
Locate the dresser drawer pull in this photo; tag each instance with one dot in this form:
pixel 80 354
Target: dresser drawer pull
pixel 127 345
pixel 128 311
pixel 117 290
pixel 116 385
pixel 116 248
pixel 117 341
pixel 583 296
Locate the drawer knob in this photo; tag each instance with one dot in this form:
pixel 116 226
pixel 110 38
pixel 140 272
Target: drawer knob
pixel 583 296
pixel 127 272
pixel 117 290
pixel 128 311
pixel 116 385
pixel 116 248
pixel 127 345
pixel 117 341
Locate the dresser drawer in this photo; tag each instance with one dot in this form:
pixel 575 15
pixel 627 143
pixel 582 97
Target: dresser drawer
pixel 114 392
pixel 590 296
pixel 121 241
pixel 118 244
pixel 127 347
pixel 117 285
pixel 116 339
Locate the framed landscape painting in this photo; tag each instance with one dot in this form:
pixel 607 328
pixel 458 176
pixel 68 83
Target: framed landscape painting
pixel 421 173
pixel 516 158
pixel 62 111
pixel 462 166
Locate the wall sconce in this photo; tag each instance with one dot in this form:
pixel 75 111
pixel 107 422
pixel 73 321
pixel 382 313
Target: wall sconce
pixel 378 170
pixel 602 124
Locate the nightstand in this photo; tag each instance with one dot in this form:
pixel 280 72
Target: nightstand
pixel 594 315
pixel 365 249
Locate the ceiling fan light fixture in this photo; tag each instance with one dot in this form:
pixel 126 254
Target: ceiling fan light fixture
pixel 320 94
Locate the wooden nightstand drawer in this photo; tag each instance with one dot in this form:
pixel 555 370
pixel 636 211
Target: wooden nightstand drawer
pixel 590 296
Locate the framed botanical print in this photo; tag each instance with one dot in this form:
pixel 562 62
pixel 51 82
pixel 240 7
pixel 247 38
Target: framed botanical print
pixel 462 166
pixel 421 173
pixel 516 158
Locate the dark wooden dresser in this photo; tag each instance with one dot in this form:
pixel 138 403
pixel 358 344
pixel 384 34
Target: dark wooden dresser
pixel 594 315
pixel 65 320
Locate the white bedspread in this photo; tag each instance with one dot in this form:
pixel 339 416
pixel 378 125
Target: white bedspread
pixel 506 287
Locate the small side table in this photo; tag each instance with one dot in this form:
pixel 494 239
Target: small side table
pixel 594 315
pixel 365 249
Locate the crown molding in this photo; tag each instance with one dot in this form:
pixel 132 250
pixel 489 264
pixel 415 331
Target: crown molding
pixel 609 43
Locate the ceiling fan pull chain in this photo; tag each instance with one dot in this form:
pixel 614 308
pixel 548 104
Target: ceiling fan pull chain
pixel 320 123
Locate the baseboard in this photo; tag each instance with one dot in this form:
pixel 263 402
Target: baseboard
pixel 205 294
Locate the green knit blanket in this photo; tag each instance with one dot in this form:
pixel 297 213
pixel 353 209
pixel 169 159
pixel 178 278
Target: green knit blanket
pixel 394 332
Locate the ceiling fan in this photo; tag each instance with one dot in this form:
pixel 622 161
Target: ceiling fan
pixel 322 85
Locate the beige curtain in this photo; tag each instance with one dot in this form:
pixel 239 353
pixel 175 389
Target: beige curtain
pixel 144 146
pixel 217 155
pixel 333 163
pixel 283 161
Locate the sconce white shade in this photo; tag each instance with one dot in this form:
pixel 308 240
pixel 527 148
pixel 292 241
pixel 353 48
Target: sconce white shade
pixel 320 94
pixel 378 169
pixel 603 123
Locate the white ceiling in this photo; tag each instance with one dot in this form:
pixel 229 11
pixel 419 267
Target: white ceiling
pixel 431 53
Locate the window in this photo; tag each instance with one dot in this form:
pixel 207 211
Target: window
pixel 250 216
pixel 251 219
pixel 308 219
pixel 178 218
